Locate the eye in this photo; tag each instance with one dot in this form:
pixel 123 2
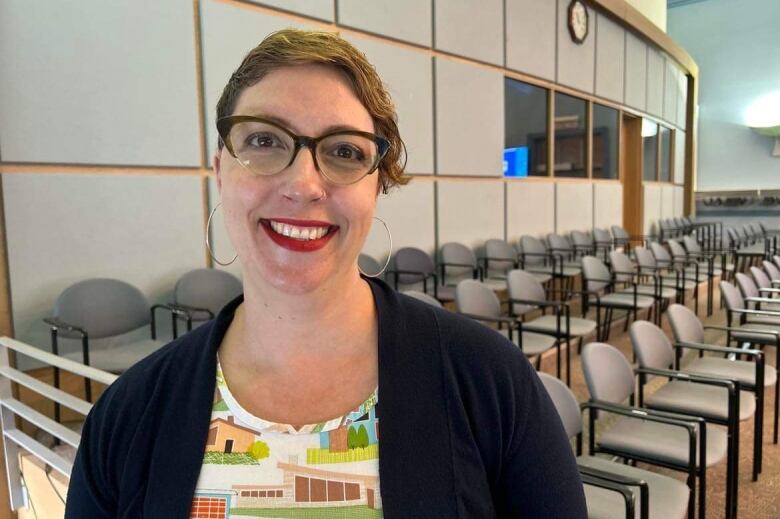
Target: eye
pixel 263 140
pixel 347 152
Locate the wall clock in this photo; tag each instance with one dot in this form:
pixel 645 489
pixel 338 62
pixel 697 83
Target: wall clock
pixel 578 21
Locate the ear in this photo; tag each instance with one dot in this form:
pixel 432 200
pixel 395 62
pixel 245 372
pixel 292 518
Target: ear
pixel 216 165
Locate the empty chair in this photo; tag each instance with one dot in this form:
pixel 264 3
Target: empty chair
pixel 527 294
pixel 647 263
pixel 694 268
pixel 478 301
pixel 764 283
pixel 648 284
pixel 688 334
pixel 425 298
pixel 668 498
pixel 458 262
pixel 414 267
pixel 773 272
pixel 500 258
pixel 602 241
pixel 201 293
pixel 368 264
pixel 753 296
pixel 583 243
pixel 723 268
pixel 535 258
pixel 649 436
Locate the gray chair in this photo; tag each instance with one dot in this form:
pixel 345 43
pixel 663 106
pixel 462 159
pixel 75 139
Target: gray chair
pixel 414 267
pixel 425 298
pixel 535 258
pixel 764 283
pixel 680 442
pixel 694 268
pixel 458 262
pixel 500 257
pixel 599 289
pixel 753 326
pixel 478 301
pixel 773 272
pixel 369 265
pixel 667 498
pixel 649 284
pixel 718 400
pixel 648 263
pixel 526 294
pixel 688 334
pixel 201 293
pixel 753 295
pixel 602 240
pixel 724 268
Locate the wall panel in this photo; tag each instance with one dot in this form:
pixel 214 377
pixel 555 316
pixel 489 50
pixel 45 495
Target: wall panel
pixel 322 9
pixel 406 20
pixel 469 119
pixel 531 29
pixel 636 72
pixel 679 157
pixel 80 86
pixel 470 212
pixel 610 58
pixel 655 82
pixel 682 100
pixel 652 207
pixel 667 201
pixel 408 75
pixel 670 92
pixel 574 207
pixel 576 62
pixel 607 205
pixel 471 28
pixel 530 209
pixel 679 208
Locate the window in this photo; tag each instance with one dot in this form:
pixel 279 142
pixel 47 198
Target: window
pixel 570 139
pixel 605 141
pixel 666 154
pixel 650 150
pixel 525 129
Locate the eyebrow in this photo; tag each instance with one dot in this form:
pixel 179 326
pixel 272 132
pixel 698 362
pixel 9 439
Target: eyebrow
pixel 286 124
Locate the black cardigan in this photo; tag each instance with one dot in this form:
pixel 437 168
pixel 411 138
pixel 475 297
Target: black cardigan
pixel 468 430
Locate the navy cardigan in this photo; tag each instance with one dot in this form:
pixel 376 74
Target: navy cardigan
pixel 468 430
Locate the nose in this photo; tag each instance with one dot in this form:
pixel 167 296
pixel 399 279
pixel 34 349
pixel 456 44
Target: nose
pixel 302 181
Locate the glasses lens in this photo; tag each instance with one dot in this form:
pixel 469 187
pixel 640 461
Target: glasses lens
pixel 261 147
pixel 346 158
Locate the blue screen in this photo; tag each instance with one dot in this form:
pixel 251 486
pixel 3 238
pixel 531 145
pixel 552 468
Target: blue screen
pixel 516 162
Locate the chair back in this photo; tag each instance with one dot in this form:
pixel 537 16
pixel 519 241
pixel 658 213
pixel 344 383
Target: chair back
pixel 731 296
pixel 644 258
pixel 760 277
pixel 208 289
pixel 776 261
pixel 746 285
pixel 677 250
pixel 594 272
pixel 565 403
pixel 662 256
pixel 692 245
pixel 601 237
pixel 582 240
pixel 502 256
pixel 103 307
pixel 473 297
pixel 425 298
pixel 734 239
pixel 534 246
pixel 758 230
pixel 621 264
pixel 368 264
pixel 522 285
pixel 454 252
pixel 651 345
pixel 608 374
pixel 412 259
pixel 772 270
pixel 559 244
pixel 686 327
pixel 620 235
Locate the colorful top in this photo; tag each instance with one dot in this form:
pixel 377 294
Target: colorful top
pixel 256 468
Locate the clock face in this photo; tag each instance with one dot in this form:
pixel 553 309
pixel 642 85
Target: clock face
pixel 578 21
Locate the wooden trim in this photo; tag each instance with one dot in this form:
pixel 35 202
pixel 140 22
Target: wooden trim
pixel 93 169
pixel 550 134
pixel 6 329
pixel 657 153
pixel 589 140
pixel 199 82
pixel 691 131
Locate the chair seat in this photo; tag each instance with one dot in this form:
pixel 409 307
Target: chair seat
pixel 747 333
pixel 662 441
pixel 668 496
pixel 743 371
pixel 673 282
pixel 549 324
pixel 709 402
pixel 649 290
pixel 495 284
pixel 625 300
pixel 533 343
pixel 117 359
pixel 548 269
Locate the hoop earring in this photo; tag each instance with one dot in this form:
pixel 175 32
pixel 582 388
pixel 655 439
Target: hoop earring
pixel 389 255
pixel 208 245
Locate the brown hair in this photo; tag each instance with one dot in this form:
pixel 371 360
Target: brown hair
pixel 296 47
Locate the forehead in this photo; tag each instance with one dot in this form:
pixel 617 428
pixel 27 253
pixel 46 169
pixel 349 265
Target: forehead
pixel 309 98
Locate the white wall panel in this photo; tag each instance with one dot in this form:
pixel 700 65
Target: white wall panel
pixel 679 157
pixel 679 197
pixel 573 206
pixel 145 230
pixel 469 119
pixel 607 204
pixel 96 82
pixel 471 28
pixel 409 76
pixel 682 99
pixel 667 201
pixel 406 20
pixel 655 82
pixel 222 55
pixel 470 212
pixel 576 62
pixel 636 72
pixel 652 207
pixel 322 9
pixel 530 37
pixel 409 213
pixel 530 209
pixel 610 58
pixel 670 92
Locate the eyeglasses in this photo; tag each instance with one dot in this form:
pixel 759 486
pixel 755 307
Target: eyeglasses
pixel 265 148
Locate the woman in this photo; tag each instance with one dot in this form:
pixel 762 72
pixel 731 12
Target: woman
pixel 273 408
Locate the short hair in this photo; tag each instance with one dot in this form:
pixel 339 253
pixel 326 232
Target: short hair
pixel 297 47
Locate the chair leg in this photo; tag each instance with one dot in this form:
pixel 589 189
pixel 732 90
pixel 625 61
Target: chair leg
pixel 777 404
pixel 702 492
pixel 758 430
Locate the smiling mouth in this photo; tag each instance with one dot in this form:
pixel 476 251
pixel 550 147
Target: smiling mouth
pixel 299 232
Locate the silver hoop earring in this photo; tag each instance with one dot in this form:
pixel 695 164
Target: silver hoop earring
pixel 208 245
pixel 389 254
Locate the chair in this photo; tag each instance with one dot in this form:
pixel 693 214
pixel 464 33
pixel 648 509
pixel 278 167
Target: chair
pixel 651 436
pixel 694 268
pixel 602 241
pixel 752 294
pixel 647 263
pixel 201 293
pixel 716 399
pixel 772 271
pixel 458 262
pixel 754 376
pixel 763 282
pixel 368 264
pixel 535 258
pixel 527 294
pixel 625 271
pixel 599 289
pixel 500 258
pixel 695 250
pixel 477 300
pixel 425 298
pixel 414 266
pixel 667 498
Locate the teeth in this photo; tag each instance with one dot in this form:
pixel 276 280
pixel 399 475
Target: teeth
pixel 299 233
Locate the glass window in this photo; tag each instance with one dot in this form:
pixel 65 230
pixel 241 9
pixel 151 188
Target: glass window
pixel 525 129
pixel 570 141
pixel 605 141
pixel 650 146
pixel 666 154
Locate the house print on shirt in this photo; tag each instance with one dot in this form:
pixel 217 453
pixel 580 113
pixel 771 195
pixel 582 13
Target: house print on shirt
pixel 225 435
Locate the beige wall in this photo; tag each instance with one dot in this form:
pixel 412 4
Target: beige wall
pixel 654 10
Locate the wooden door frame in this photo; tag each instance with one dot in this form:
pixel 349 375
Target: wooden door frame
pixel 631 173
